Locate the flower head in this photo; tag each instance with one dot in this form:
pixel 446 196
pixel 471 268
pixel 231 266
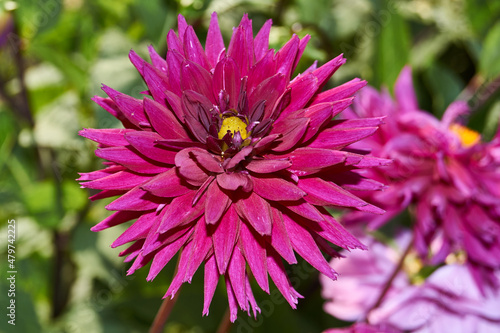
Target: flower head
pixel 448 300
pixel 230 162
pixel 443 171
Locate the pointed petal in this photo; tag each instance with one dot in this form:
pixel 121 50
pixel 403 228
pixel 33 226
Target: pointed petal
pixel 138 230
pixel 217 202
pixel 122 180
pixel 164 121
pixel 167 184
pixel 115 219
pixel 255 254
pixel 135 200
pixel 280 240
pixel 210 283
pixel 277 189
pixel 306 247
pixel 214 43
pixel 261 43
pixel 109 136
pixel 268 165
pixel 145 143
pixel 257 212
pixel 277 273
pixel 224 238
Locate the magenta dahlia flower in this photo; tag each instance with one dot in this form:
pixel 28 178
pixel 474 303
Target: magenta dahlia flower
pixel 443 171
pixel 231 163
pixel 448 300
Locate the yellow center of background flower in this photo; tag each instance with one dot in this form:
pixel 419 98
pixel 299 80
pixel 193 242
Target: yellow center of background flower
pixel 467 136
pixel 233 124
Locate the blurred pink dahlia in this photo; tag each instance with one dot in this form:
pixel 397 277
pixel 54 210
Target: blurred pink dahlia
pixel 443 171
pixel 229 162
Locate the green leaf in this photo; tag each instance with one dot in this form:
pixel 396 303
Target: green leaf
pixel 444 86
pixel 489 62
pixel 393 50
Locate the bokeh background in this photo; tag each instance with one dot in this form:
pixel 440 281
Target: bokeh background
pixel 54 55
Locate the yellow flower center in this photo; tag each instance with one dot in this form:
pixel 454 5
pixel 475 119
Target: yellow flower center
pixel 467 136
pixel 233 125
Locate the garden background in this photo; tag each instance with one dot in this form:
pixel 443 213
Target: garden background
pixel 58 52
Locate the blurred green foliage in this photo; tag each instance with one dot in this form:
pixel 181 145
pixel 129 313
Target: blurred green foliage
pixel 69 280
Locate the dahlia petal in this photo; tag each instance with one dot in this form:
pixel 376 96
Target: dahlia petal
pixel 139 262
pixel 206 160
pixel 174 43
pixel 344 91
pixel 167 184
pixel 233 308
pixel 306 210
pixel 210 283
pixel 279 238
pixel 235 180
pixel 138 230
pixel 322 193
pixel 356 123
pixel 193 49
pixel 189 168
pixel 238 157
pixel 100 173
pixel 130 107
pixel 121 180
pixel 278 275
pixel 155 240
pixel 306 161
pixel 302 46
pixel 251 299
pixel 269 90
pixel 236 275
pixel 302 90
pixel 165 254
pixel 321 114
pixel 224 238
pixel 337 139
pixel 164 121
pixel 268 165
pixel 194 105
pixel 109 137
pixel 262 70
pixel 241 49
pixel 285 57
pixel 157 60
pixel 306 247
pixel 404 91
pixel 326 71
pixel 137 61
pixel 216 204
pixel 214 43
pixel 364 161
pixel 109 105
pixel 106 194
pixel 156 81
pixel 255 254
pixel 261 43
pixel 202 244
pixel 257 212
pixel 115 219
pixel 277 189
pixel 331 230
pixel 178 279
pixel 180 212
pixel 145 143
pixel 353 181
pixel 134 200
pixel 174 62
pixel 133 250
pixel 196 78
pixel 181 26
pixel 227 78
pixel 292 130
